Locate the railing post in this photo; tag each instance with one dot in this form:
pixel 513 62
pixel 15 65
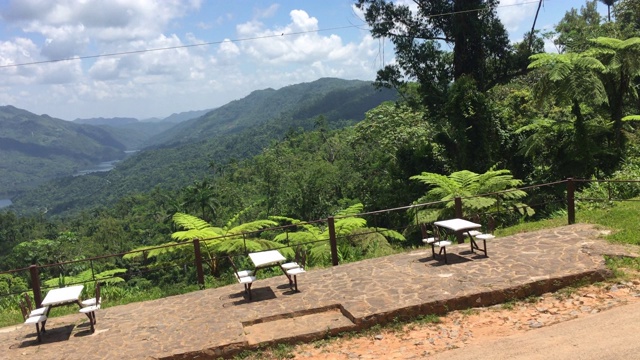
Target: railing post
pixel 35 285
pixel 333 242
pixel 198 255
pixel 457 207
pixel 93 273
pixel 571 201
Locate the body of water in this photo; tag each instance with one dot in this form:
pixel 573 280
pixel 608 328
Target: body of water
pixel 5 203
pixel 103 166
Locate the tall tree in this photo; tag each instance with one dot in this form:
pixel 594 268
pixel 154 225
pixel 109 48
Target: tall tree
pixel 416 31
pixel 622 61
pixel 577 27
pixel 609 4
pixel 572 80
pixel 202 196
pixel 627 15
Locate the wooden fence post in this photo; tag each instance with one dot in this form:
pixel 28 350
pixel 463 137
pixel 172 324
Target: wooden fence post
pixel 35 285
pixel 198 255
pixel 571 201
pixel 457 208
pixel 333 242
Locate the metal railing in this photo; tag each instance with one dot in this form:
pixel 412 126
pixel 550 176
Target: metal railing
pixel 387 218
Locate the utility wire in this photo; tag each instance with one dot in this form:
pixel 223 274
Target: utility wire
pixel 233 41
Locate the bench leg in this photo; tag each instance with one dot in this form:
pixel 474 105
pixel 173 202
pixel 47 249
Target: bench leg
pixel 38 332
pixel 92 321
pixel 444 251
pixel 295 282
pixel 247 289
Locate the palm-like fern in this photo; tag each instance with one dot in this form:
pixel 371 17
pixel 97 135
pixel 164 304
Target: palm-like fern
pixel 233 238
pixel 350 231
pixel 469 185
pixel 86 276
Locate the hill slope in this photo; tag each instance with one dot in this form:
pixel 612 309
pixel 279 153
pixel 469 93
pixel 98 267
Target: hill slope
pixel 238 130
pixel 36 148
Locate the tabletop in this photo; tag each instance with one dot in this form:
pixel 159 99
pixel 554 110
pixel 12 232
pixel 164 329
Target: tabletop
pixel 266 258
pixel 62 295
pixel 457 224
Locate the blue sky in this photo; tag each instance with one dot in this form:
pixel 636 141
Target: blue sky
pixel 252 45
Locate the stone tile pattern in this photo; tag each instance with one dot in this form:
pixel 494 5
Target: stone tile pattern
pixel 210 323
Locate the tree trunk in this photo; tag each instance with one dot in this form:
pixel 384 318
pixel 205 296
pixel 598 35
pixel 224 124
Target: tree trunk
pixel 468 55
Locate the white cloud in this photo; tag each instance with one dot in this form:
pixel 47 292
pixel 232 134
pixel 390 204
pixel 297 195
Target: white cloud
pixel 155 83
pixel 266 13
pixel 517 15
pixel 278 46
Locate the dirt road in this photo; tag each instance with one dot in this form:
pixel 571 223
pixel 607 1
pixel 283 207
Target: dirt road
pixel 612 334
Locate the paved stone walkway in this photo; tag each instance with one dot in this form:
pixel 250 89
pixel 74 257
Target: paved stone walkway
pixel 210 323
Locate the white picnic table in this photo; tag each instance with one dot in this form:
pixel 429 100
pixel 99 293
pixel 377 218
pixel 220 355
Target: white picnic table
pixel 462 225
pixel 60 297
pixel 264 259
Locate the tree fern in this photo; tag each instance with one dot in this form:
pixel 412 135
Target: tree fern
pixel 468 185
pixel 346 225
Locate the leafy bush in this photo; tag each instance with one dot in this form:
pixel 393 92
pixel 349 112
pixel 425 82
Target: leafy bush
pixel 600 194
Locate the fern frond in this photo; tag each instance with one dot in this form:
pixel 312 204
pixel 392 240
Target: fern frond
pixel 206 233
pixel 354 209
pixel 136 253
pixel 252 226
pixel 297 237
pixel 189 222
pixel 346 225
pixel 391 234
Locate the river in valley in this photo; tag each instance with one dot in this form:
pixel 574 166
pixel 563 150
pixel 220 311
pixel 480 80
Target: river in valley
pixel 5 203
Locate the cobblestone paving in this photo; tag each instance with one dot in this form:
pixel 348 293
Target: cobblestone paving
pixel 213 322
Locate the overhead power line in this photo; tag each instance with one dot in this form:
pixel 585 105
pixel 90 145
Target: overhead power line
pixel 233 41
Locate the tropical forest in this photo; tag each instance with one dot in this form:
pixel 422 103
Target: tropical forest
pixel 461 113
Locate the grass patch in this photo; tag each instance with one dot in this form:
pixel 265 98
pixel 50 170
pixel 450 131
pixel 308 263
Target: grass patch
pixel 624 268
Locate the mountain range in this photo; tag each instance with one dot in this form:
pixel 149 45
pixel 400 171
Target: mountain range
pixel 177 156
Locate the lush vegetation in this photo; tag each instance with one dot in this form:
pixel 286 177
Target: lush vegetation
pixel 220 139
pixel 509 117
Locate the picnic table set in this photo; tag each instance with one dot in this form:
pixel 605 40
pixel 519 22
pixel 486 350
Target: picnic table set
pixel 445 228
pixel 59 297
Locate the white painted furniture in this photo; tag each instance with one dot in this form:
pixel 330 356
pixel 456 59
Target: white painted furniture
pixel 462 225
pixel 34 312
pixel 63 296
pixel 434 240
pixel 37 319
pixel 244 277
pixel 265 259
pixel 60 297
pixel 91 310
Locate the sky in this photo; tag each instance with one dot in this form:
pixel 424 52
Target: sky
pixel 152 58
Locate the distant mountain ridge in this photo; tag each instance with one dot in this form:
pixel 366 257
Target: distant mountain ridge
pixel 34 148
pixel 262 105
pixel 184 116
pixel 238 130
pixel 117 121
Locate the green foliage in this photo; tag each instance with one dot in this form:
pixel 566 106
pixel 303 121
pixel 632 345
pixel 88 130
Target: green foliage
pixel 354 238
pixel 601 194
pixel 10 284
pixel 87 276
pixel 467 184
pixel 234 132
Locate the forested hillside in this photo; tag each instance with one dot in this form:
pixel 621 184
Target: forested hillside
pixel 192 149
pixel 290 107
pixel 466 123
pixel 36 148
